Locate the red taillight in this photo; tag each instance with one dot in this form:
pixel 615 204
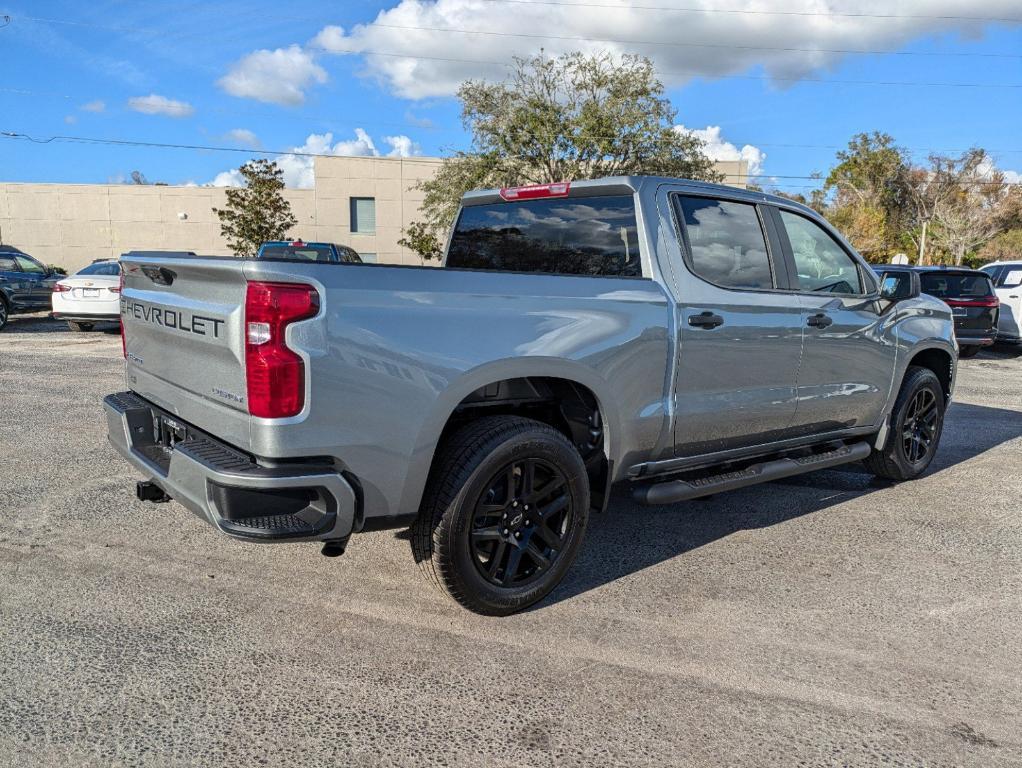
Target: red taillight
pixel 274 373
pixel 61 288
pixel 535 191
pixel 124 343
pixel 985 301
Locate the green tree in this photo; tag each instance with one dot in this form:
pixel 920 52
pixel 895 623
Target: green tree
pixel 577 116
pixel 1007 246
pixel 869 200
pixel 257 212
pixel 975 206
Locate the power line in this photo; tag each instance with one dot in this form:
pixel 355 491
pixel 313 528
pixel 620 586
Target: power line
pixel 696 73
pixel 675 43
pixel 693 73
pixel 299 153
pixel 751 12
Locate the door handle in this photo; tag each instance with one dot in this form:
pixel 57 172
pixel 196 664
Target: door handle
pixel 819 320
pixel 705 320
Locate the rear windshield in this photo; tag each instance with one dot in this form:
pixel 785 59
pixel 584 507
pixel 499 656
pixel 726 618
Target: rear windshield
pixel 101 268
pixel 298 252
pixel 956 286
pixel 582 236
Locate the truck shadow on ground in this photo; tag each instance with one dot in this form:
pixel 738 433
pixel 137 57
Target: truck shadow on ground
pixel 629 537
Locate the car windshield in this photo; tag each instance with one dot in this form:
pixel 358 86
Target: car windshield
pixel 111 268
pixel 961 285
pixel 305 252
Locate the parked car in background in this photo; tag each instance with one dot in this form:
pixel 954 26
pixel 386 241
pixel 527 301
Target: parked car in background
pixel 89 296
pixel 25 283
pixel 299 251
pixel 970 294
pixel 1007 279
pixel 684 338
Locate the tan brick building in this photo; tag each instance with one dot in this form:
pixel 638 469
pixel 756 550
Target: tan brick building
pixel 364 202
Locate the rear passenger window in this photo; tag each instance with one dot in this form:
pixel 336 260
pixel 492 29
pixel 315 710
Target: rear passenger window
pixel 566 236
pixel 725 242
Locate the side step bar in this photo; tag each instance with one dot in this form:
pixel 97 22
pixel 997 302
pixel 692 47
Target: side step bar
pixel 671 491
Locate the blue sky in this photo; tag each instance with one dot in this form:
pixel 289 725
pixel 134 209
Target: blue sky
pixel 379 77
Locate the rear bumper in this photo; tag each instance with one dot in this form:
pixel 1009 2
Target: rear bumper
pixel 975 338
pixel 86 317
pixel 227 488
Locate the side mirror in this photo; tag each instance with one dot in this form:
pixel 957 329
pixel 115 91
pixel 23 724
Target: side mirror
pixel 899 284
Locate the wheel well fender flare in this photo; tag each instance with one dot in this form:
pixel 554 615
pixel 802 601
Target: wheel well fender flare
pixel 427 441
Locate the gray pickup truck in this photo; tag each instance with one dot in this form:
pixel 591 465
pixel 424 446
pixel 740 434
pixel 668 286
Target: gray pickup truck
pixel 679 337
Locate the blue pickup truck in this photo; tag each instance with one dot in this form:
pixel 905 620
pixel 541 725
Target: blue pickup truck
pixel 296 250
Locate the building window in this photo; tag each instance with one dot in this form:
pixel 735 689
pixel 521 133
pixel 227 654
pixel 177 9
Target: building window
pixel 363 215
pixel 368 258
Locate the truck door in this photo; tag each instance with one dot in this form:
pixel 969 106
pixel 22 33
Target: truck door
pixel 740 331
pixel 847 363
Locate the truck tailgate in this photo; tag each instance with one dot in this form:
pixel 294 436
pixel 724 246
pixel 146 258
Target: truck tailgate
pixel 183 328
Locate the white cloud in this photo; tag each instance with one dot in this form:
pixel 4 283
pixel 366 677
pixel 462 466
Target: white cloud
pixel 1012 177
pixel 716 148
pixel 299 170
pixel 728 40
pixel 160 105
pixel 94 106
pixel 70 119
pixel 401 146
pixel 280 76
pixel 243 136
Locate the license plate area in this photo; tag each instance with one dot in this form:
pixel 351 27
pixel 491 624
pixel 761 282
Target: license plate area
pixel 90 293
pixel 169 432
pixel 959 312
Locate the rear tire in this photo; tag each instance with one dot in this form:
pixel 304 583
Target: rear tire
pixel 970 351
pixel 503 515
pixel 4 313
pixel 78 327
pixel 917 421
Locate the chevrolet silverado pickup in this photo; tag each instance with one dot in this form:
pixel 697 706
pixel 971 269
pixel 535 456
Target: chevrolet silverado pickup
pixel 676 337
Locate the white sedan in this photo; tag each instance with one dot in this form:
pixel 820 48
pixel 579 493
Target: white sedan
pixel 91 295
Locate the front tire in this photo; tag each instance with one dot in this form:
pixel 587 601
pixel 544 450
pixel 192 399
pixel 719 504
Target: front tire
pixel 4 313
pixel 917 421
pixel 78 327
pixel 503 515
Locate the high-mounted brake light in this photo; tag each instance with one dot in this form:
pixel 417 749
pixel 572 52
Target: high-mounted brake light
pixel 274 373
pixel 536 191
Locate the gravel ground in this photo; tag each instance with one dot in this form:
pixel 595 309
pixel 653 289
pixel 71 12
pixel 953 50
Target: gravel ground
pixel 824 620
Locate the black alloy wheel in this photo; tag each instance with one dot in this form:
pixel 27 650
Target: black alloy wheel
pixel 520 522
pixel 503 514
pixel 920 426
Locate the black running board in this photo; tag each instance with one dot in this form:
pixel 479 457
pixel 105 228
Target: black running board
pixel 671 491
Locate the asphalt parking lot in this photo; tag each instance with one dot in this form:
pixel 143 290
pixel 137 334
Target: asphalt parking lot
pixel 823 620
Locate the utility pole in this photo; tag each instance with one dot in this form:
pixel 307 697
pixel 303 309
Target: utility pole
pixel 922 242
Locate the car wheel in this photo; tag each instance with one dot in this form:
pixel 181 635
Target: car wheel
pixel 79 327
pixel 916 424
pixel 503 515
pixel 970 351
pixel 4 314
